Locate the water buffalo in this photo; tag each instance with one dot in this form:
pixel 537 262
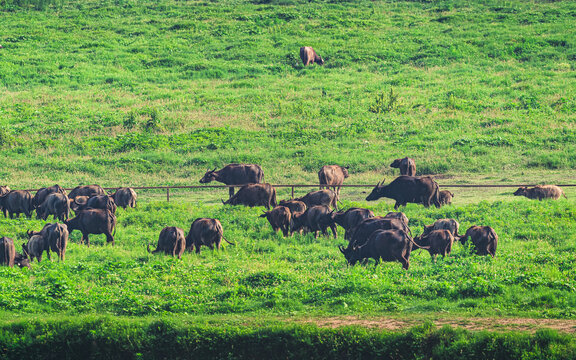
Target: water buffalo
pixel 406 165
pixel 235 174
pixel 385 245
pixel 351 217
pixel 93 221
pixel 125 197
pixel 16 202
pixel 56 204
pixel 397 215
pixel 280 218
pixel 56 237
pixel 314 219
pixel 9 256
pixel 207 232
pixel 321 197
pixel 42 193
pixel 408 189
pixel 171 241
pixel 294 205
pixel 437 242
pixel 35 247
pixel 104 202
pixel 484 239
pixel 86 190
pixel 254 195
pixel 445 197
pixel 4 190
pixel 443 224
pixel 359 234
pixel 332 176
pixel 78 203
pixel 309 56
pixel 540 192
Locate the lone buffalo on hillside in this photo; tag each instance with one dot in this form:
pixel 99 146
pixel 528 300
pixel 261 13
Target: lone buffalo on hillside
pixel 540 192
pixel 484 239
pixel 254 195
pixel 332 176
pixel 406 165
pixel 171 241
pixel 408 189
pixel 235 174
pixel 309 56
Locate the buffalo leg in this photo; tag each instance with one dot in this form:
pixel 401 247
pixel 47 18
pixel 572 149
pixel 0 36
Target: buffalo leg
pixel 231 191
pixel 85 237
pixel 333 227
pixel 109 238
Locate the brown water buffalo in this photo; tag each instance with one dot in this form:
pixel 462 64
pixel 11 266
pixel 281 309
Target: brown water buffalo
pixel 125 197
pixel 540 192
pixel 332 176
pixel 397 215
pixel 78 203
pixel 437 242
pixel 254 195
pixel 16 202
pixel 235 174
pixel 9 256
pixel 280 218
pixel 35 247
pixel 351 217
pixel 86 190
pixel 56 204
pixel 41 194
pixel 309 56
pixel 171 241
pixel 104 202
pixel 385 245
pixel 315 219
pixel 408 189
pixel 294 205
pixel 93 221
pixel 484 239
pixel 406 165
pixel 445 197
pixel 321 197
pixel 56 236
pixel 4 190
pixel 359 234
pixel 443 224
pixel 207 232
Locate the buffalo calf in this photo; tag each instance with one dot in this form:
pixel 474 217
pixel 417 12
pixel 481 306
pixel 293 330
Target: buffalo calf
pixel 437 242
pixel 541 192
pixel 280 218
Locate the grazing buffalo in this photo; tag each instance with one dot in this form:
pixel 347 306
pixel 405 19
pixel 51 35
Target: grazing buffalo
pixel 254 195
pixel 309 56
pixel 445 197
pixel 41 194
pixel 104 202
pixel 35 247
pixel 437 242
pixel 294 205
pixel 93 221
pixel 443 224
pixel 56 204
pixel 9 256
pixel 359 234
pixel 408 189
pixel 16 202
pixel 385 245
pixel 351 217
pixel 125 197
pixel 397 215
pixel 235 174
pixel 56 237
pixel 86 190
pixel 171 241
pixel 321 197
pixel 484 239
pixel 280 218
pixel 406 165
pixel 314 219
pixel 332 176
pixel 540 192
pixel 207 232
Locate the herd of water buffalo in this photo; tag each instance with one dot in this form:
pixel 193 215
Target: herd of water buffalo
pixel 386 238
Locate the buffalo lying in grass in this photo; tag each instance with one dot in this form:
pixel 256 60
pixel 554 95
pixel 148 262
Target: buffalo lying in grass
pixel 541 192
pixel 254 195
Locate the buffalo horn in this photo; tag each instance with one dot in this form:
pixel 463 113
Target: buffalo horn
pixel 341 248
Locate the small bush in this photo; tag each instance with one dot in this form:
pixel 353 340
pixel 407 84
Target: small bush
pixel 385 103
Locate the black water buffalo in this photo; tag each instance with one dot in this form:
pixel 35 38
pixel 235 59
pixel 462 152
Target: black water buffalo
pixel 321 197
pixel 309 56
pixel 314 219
pixel 437 242
pixel 254 195
pixel 86 190
pixel 125 197
pixel 93 221
pixel 35 247
pixel 540 192
pixel 56 204
pixel 406 165
pixel 445 197
pixel 41 194
pixel 443 224
pixel 16 202
pixel 104 202
pixel 235 174
pixel 359 234
pixel 78 203
pixel 207 232
pixel 280 218
pixel 294 205
pixel 332 176
pixel 171 241
pixel 56 237
pixel 9 256
pixel 385 245
pixel 484 239
pixel 351 217
pixel 408 189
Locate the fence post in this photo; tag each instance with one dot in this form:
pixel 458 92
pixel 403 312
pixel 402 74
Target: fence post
pixel 292 192
pixel 167 194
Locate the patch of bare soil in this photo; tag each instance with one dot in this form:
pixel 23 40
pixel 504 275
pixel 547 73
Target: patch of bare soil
pixel 472 324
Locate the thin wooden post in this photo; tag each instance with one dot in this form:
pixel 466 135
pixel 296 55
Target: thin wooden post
pixel 292 192
pixel 167 194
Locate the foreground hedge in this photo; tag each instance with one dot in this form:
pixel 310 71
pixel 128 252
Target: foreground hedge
pixel 120 338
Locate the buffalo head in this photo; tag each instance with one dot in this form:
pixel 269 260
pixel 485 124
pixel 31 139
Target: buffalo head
pixel 208 176
pixel 521 191
pixel 376 192
pixel 351 254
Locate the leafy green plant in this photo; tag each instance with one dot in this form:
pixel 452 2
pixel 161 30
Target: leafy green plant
pixel 385 103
